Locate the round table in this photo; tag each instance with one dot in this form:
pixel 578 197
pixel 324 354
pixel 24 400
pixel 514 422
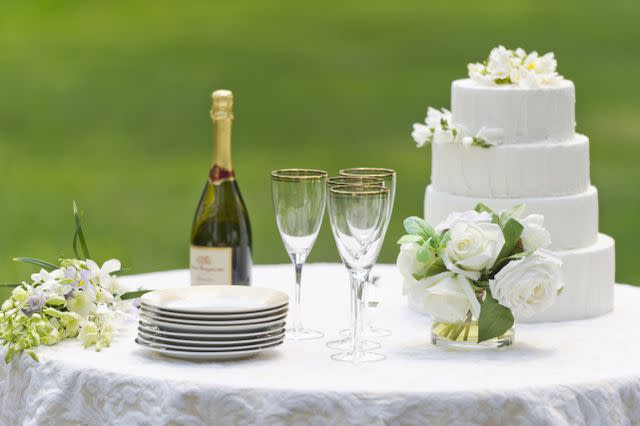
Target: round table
pixel 581 372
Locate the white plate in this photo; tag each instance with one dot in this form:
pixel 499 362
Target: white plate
pixel 208 356
pixel 215 299
pixel 150 316
pixel 209 348
pixel 206 328
pixel 266 338
pixel 149 328
pixel 182 315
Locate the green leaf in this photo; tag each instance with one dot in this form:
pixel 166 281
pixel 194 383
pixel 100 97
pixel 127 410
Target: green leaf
pixel 425 253
pixel 436 268
pixel 481 207
pixel 9 285
pixel 481 143
pixel 444 240
pixel 411 239
pixel 79 236
pixel 417 226
pixel 494 319
pixel 512 213
pixel 41 263
pixel 120 272
pixel 133 294
pixel 500 263
pixel 511 231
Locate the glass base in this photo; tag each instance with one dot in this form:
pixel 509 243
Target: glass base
pixel 347 343
pixel 369 332
pixel 465 336
pixel 302 334
pixel 356 357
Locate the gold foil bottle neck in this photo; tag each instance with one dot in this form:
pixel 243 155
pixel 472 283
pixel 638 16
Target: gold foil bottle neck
pixel 222 104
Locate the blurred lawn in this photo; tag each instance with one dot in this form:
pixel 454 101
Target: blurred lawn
pixel 107 103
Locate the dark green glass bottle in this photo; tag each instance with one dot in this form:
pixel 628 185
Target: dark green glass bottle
pixel 221 234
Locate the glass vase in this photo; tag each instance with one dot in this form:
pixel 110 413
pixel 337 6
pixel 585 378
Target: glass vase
pixel 464 335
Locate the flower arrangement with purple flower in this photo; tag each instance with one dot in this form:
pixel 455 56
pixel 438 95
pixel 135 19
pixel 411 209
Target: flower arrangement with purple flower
pixel 74 299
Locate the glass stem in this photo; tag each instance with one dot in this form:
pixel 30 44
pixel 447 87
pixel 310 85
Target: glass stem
pixel 296 320
pixel 358 283
pixel 366 319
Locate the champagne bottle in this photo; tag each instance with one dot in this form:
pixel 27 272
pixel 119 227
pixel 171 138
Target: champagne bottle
pixel 221 235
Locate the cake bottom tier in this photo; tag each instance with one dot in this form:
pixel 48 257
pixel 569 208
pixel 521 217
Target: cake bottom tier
pixel 589 276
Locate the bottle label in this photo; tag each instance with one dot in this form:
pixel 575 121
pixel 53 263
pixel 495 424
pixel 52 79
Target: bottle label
pixel 210 265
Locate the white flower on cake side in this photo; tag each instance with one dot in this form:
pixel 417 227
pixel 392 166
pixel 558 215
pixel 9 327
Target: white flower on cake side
pixel 516 67
pixel 480 266
pixel 438 127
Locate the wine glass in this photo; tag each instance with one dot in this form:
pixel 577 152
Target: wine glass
pixel 346 342
pixel 299 199
pixel 358 214
pixel 388 176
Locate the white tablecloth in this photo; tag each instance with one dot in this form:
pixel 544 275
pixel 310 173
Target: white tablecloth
pixel 583 372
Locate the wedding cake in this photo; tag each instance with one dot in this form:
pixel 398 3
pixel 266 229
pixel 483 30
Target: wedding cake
pixel 510 139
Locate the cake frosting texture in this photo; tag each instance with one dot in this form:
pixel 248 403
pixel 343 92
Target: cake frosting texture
pixel 540 162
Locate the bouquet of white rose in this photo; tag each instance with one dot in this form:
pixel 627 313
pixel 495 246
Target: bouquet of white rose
pixel 74 298
pixel 479 268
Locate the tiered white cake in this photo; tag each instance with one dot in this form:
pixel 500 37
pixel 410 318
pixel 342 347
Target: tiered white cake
pixel 540 162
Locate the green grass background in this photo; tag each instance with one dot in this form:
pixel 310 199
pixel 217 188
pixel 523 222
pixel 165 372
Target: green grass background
pixel 107 103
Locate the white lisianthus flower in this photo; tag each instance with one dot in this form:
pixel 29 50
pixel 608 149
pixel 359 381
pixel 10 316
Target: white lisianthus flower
pixel 449 298
pixel 408 264
pixel 534 235
pixel 528 285
pixel 472 248
pixel 470 216
pixel 421 134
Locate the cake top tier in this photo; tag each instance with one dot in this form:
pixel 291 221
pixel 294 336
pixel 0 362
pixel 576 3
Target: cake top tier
pixel 519 115
pixel 516 68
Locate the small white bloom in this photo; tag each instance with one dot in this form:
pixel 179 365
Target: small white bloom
pixel 470 216
pixel 467 141
pixel 473 247
pixel 435 117
pixel 443 136
pixel 408 264
pixel 491 135
pixel 500 62
pixel 82 303
pixel 449 298
pixel 534 235
pixel 528 285
pixel 421 134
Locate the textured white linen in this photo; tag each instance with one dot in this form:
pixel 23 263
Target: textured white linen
pixel 582 372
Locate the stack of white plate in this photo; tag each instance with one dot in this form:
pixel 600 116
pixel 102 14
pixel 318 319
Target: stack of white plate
pixel 212 322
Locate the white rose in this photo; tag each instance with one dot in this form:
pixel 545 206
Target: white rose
pixel 407 264
pixel 468 216
pixel 528 285
pixel 449 298
pixel 472 248
pixel 534 235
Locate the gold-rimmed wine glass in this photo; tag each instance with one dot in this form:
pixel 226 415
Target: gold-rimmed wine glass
pixel 346 342
pixel 389 177
pixel 358 214
pixel 299 199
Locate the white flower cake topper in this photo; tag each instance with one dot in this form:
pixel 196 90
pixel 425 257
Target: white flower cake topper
pixel 517 68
